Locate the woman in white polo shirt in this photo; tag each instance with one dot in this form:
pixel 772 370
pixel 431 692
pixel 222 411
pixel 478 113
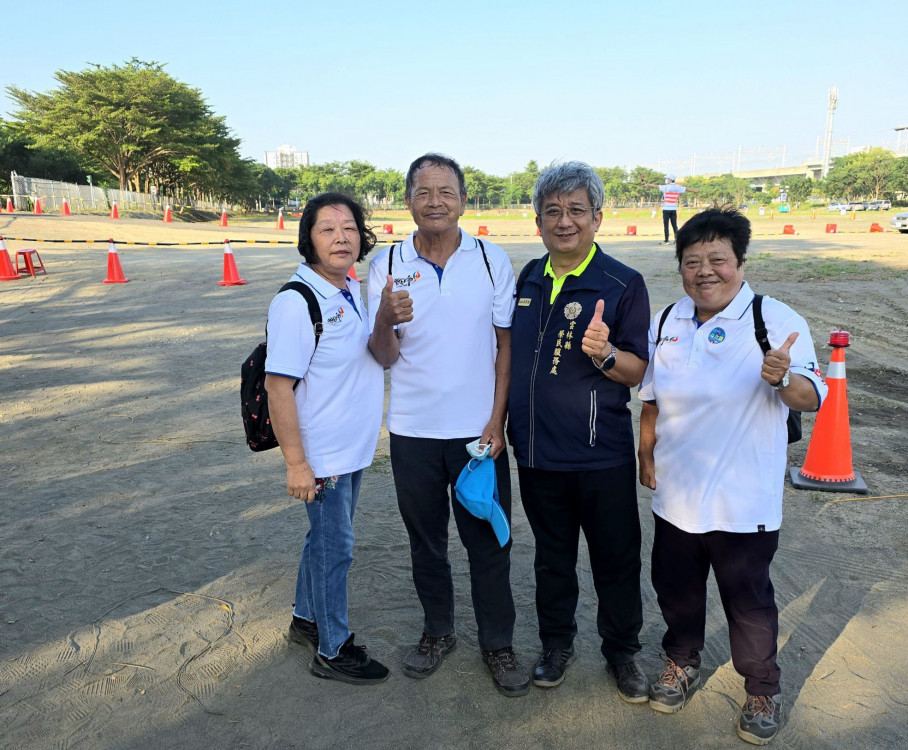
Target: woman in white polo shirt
pixel 327 425
pixel 713 443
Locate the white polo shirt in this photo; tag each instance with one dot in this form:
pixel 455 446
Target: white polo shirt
pixel 721 436
pixel 341 391
pixel 443 383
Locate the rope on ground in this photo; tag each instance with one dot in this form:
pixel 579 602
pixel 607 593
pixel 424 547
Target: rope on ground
pixel 875 497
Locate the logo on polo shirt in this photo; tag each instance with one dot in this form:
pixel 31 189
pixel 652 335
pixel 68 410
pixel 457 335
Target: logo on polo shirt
pixel 572 310
pixel 667 340
pixel 716 336
pixel 407 280
pixel 337 318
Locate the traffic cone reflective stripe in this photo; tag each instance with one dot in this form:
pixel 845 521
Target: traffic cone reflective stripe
pixel 828 465
pixel 7 272
pixel 114 269
pixel 231 274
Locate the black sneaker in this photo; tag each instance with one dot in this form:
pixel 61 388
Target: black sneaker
pixel 633 686
pixel 510 678
pixel 428 655
pixel 759 719
pixel 670 693
pixel 352 665
pixel 303 632
pixel 549 670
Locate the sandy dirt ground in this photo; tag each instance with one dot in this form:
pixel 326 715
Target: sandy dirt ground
pixel 148 557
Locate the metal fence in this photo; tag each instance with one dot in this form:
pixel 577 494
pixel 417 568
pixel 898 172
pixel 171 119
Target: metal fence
pixel 91 199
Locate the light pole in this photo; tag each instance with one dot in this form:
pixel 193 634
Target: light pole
pixel 830 112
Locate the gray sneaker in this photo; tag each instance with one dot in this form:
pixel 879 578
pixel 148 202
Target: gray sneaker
pixel 428 655
pixel 511 679
pixel 759 718
pixel 670 693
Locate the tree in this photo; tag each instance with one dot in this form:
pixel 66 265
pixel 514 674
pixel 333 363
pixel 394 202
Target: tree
pixel 18 154
pixel 799 188
pixel 867 174
pixel 127 118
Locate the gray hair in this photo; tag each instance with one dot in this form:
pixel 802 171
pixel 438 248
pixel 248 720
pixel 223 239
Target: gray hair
pixel 566 178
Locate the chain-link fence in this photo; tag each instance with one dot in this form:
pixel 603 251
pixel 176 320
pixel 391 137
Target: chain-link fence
pixel 91 199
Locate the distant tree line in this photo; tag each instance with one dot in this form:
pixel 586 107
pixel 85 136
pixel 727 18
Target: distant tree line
pixel 133 126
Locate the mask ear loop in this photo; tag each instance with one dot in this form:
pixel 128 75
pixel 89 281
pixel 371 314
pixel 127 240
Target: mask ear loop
pixel 470 464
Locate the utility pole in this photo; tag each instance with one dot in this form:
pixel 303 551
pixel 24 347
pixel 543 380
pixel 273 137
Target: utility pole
pixel 830 112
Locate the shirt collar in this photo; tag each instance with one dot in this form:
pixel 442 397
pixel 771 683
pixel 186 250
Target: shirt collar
pixel 577 271
pixel 408 251
pixel 321 285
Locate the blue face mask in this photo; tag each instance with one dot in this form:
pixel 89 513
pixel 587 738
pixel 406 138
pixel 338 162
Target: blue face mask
pixel 477 449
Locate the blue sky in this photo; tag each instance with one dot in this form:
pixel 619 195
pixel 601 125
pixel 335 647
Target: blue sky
pixel 496 84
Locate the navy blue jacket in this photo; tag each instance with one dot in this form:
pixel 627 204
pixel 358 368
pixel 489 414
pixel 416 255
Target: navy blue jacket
pixel 563 414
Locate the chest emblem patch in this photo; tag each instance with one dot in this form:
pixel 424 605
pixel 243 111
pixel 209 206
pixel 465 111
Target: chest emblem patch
pixel 337 318
pixel 716 336
pixel 524 302
pixel 572 310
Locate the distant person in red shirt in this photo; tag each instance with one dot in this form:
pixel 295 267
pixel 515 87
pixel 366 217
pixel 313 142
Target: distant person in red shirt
pixel 670 195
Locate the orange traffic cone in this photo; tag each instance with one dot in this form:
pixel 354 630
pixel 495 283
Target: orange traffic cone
pixel 352 273
pixel 632 231
pixel 788 229
pixel 7 272
pixel 66 211
pixel 114 214
pixel 114 269
pixel 827 465
pixel 387 229
pixel 280 219
pixel 231 275
pixel 223 218
pixel 875 227
pixel 10 209
pixel 38 210
pixel 483 231
pixel 168 218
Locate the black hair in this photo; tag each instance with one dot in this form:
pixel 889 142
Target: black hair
pixel 435 160
pixel 715 223
pixel 367 238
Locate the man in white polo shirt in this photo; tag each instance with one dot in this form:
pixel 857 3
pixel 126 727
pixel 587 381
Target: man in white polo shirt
pixel 440 304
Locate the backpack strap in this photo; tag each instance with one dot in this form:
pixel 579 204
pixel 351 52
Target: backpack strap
pixel 485 258
pixel 391 258
pixel 760 325
pixel 662 320
pixel 315 312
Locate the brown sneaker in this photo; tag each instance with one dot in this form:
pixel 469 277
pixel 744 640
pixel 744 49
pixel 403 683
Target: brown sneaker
pixel 428 655
pixel 511 679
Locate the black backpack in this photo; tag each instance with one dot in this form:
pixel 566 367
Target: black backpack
pixel 794 417
pixel 253 396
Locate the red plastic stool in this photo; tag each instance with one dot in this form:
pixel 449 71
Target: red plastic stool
pixel 30 266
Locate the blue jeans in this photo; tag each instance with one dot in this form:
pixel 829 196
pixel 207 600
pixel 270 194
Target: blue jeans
pixel 321 586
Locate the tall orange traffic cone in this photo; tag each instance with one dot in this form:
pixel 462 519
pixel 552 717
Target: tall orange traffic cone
pixel 7 272
pixel 10 209
pixel 114 213
pixel 114 269
pixel 38 210
pixel 352 273
pixel 280 219
pixel 168 217
pixel 223 218
pixel 65 211
pixel 827 465
pixel 231 275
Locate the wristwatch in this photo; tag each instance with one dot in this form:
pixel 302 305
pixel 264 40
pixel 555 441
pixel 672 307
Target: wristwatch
pixel 783 383
pixel 609 362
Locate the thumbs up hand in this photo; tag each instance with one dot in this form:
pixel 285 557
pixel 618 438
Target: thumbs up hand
pixel 394 307
pixel 777 361
pixel 595 339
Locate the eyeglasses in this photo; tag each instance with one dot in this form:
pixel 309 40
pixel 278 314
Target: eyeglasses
pixel 553 214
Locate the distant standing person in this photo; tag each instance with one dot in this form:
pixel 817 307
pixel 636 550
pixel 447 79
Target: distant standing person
pixel 441 304
pixel 325 400
pixel 670 195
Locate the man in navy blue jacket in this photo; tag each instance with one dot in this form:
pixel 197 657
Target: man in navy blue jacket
pixel 579 343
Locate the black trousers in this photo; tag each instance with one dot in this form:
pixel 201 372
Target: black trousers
pixel 740 563
pixel 425 471
pixel 669 216
pixel 603 503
